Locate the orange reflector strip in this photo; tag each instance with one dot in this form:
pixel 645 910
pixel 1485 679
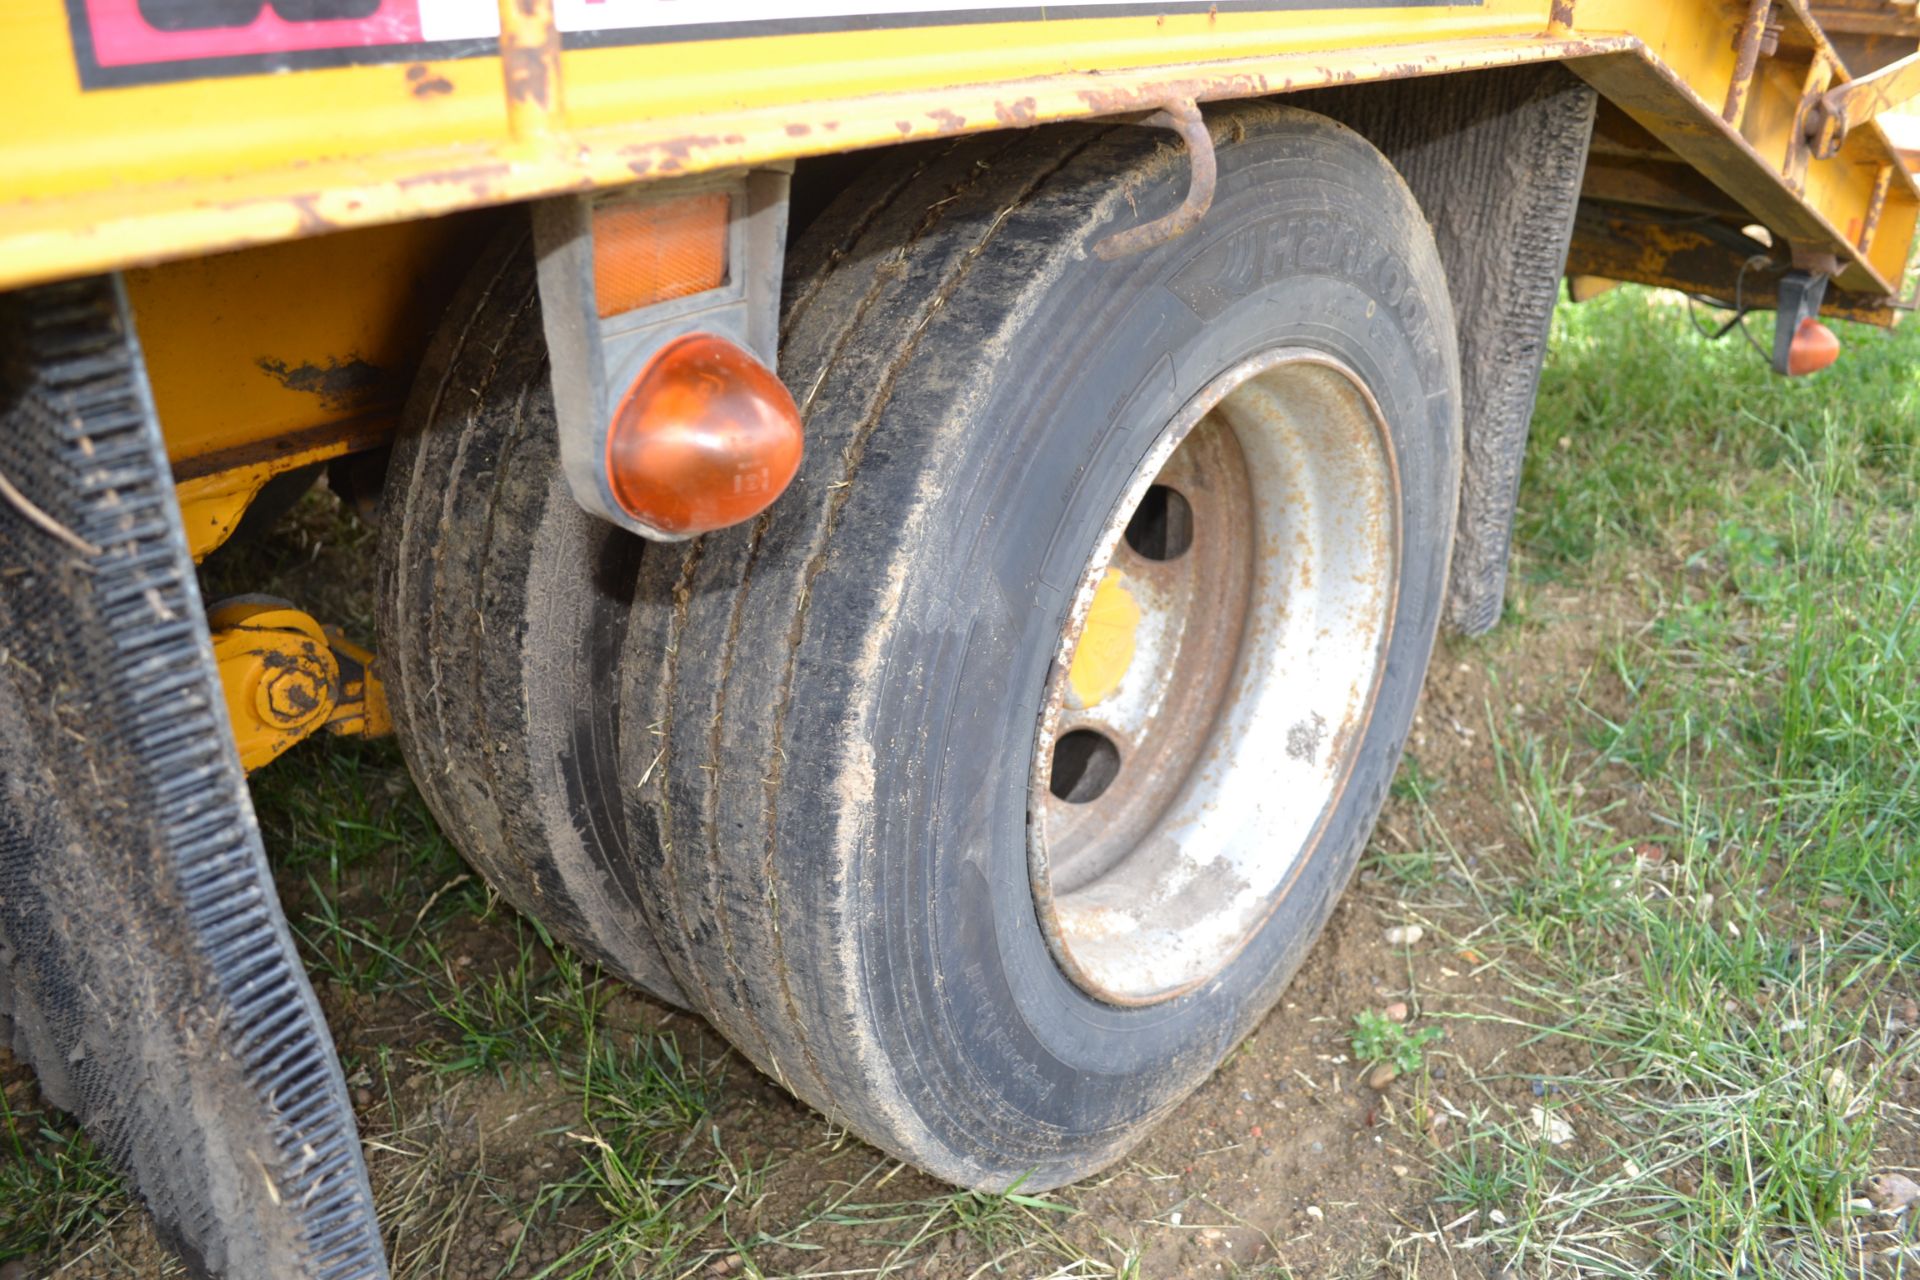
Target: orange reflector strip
pixel 648 253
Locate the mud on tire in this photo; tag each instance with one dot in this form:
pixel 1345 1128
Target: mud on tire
pixel 830 800
pixel 502 611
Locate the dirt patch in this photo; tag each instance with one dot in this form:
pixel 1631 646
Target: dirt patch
pixel 1285 1163
pixel 1286 1158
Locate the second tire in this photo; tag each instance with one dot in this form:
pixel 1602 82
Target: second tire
pixel 1084 555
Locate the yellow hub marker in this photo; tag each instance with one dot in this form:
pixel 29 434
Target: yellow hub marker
pixel 1106 643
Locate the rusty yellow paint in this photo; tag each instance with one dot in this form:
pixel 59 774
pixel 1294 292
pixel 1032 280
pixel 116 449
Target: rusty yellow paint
pixel 285 678
pixel 258 356
pixel 1674 79
pixel 1106 647
pixel 302 347
pixel 111 178
pixel 108 178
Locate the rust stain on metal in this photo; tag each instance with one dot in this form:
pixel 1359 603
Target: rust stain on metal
pixel 1620 244
pixel 1560 16
pixel 1018 113
pixel 527 74
pixel 339 384
pixel 1746 58
pixel 480 175
pixel 424 84
pixel 1184 117
pixel 1882 183
pixel 677 155
pixel 530 69
pixel 1839 110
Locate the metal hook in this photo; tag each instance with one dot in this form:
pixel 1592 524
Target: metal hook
pixel 1183 116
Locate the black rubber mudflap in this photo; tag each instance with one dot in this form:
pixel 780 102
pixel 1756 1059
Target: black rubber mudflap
pixel 1495 159
pixel 145 969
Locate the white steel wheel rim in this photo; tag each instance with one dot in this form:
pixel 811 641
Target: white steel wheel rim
pixel 1170 807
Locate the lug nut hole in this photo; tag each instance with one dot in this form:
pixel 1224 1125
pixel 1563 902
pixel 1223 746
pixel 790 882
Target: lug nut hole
pixel 1162 525
pixel 1085 763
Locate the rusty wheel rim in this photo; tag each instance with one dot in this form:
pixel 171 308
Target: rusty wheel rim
pixel 1215 678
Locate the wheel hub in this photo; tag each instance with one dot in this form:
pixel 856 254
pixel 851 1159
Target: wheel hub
pixel 1215 677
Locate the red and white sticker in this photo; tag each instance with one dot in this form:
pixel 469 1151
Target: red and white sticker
pixel 133 33
pixel 121 42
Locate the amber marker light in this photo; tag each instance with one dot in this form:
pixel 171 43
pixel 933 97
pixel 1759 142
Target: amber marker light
pixel 1814 347
pixel 706 437
pixel 649 253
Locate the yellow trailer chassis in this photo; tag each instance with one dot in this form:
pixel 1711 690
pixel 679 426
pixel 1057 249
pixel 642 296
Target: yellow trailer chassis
pixel 243 220
pixel 340 175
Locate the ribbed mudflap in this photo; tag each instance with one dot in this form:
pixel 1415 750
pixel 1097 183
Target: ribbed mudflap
pixel 146 970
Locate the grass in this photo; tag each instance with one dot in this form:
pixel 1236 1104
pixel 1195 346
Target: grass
pixel 1717 905
pixel 53 1185
pixel 1687 876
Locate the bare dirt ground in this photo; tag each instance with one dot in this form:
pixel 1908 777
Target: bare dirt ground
pixel 1577 1118
pixel 1285 1162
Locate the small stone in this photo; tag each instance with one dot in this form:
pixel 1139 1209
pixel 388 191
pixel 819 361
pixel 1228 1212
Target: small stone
pixel 508 1232
pixel 1552 1129
pixel 1315 1212
pixel 1892 1192
pixel 1174 1217
pixel 1496 1217
pixel 1401 1171
pixel 363 1098
pixel 1405 935
pixel 1396 1012
pixel 1381 1076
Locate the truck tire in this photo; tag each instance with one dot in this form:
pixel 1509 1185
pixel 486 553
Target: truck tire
pixel 502 607
pixel 979 853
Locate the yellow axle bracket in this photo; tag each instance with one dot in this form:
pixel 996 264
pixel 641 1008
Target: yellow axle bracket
pixel 286 677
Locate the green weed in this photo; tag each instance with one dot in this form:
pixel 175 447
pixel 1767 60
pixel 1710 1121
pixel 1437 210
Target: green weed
pixel 1378 1038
